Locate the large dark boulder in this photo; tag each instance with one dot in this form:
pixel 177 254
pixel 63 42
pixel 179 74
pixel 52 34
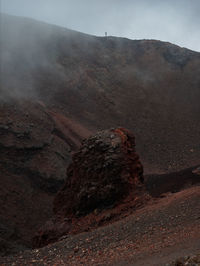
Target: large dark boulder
pixel 105 171
pixel 104 181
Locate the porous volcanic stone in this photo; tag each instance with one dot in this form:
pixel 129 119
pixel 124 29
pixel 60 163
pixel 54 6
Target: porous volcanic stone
pixel 105 171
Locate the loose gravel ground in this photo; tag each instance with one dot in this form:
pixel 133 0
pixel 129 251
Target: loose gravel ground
pixel 157 234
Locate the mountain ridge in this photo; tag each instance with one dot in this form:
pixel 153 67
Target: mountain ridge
pixel 59 86
pixel 140 85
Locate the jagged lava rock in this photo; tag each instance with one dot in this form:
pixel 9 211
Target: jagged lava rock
pixel 104 184
pixel 105 171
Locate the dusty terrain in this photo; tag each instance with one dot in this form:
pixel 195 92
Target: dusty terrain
pixel 167 228
pixel 35 150
pixel 60 86
pixel 147 86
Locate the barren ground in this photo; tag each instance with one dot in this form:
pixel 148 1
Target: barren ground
pixel 167 228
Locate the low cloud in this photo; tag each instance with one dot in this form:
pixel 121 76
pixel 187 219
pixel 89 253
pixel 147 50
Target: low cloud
pixel 176 21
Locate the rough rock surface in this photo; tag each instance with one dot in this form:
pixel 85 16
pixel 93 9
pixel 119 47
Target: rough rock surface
pixel 188 260
pixel 196 171
pixel 104 171
pixel 149 86
pixel 104 174
pixel 34 155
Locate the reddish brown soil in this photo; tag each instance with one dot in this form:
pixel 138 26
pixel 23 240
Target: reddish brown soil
pixel 150 87
pixel 165 229
pixel 69 130
pixel 76 84
pixel 34 155
pixel 78 216
pixel 156 185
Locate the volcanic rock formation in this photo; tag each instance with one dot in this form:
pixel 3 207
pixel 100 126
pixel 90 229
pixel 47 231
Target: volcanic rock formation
pixel 70 85
pixel 104 174
pixel 35 146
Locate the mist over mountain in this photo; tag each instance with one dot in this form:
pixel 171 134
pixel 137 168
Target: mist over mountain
pixel 176 21
pixel 149 86
pixel 58 87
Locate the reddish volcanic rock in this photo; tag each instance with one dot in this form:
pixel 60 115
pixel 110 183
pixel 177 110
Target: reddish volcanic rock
pixel 104 180
pixel 104 172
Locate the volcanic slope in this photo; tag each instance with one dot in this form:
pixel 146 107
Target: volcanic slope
pixel 57 86
pixel 34 154
pixel 162 231
pixel 150 87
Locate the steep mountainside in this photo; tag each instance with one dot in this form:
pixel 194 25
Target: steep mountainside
pixel 34 155
pixel 59 86
pixel 150 87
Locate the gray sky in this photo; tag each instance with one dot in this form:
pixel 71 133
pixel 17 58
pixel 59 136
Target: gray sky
pixel 176 21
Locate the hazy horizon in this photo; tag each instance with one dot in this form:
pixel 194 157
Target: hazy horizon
pixel 175 21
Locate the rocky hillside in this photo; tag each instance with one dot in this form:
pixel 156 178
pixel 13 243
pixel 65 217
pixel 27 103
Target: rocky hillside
pixel 35 148
pixel 104 184
pixel 150 87
pixel 59 86
pixel 104 181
